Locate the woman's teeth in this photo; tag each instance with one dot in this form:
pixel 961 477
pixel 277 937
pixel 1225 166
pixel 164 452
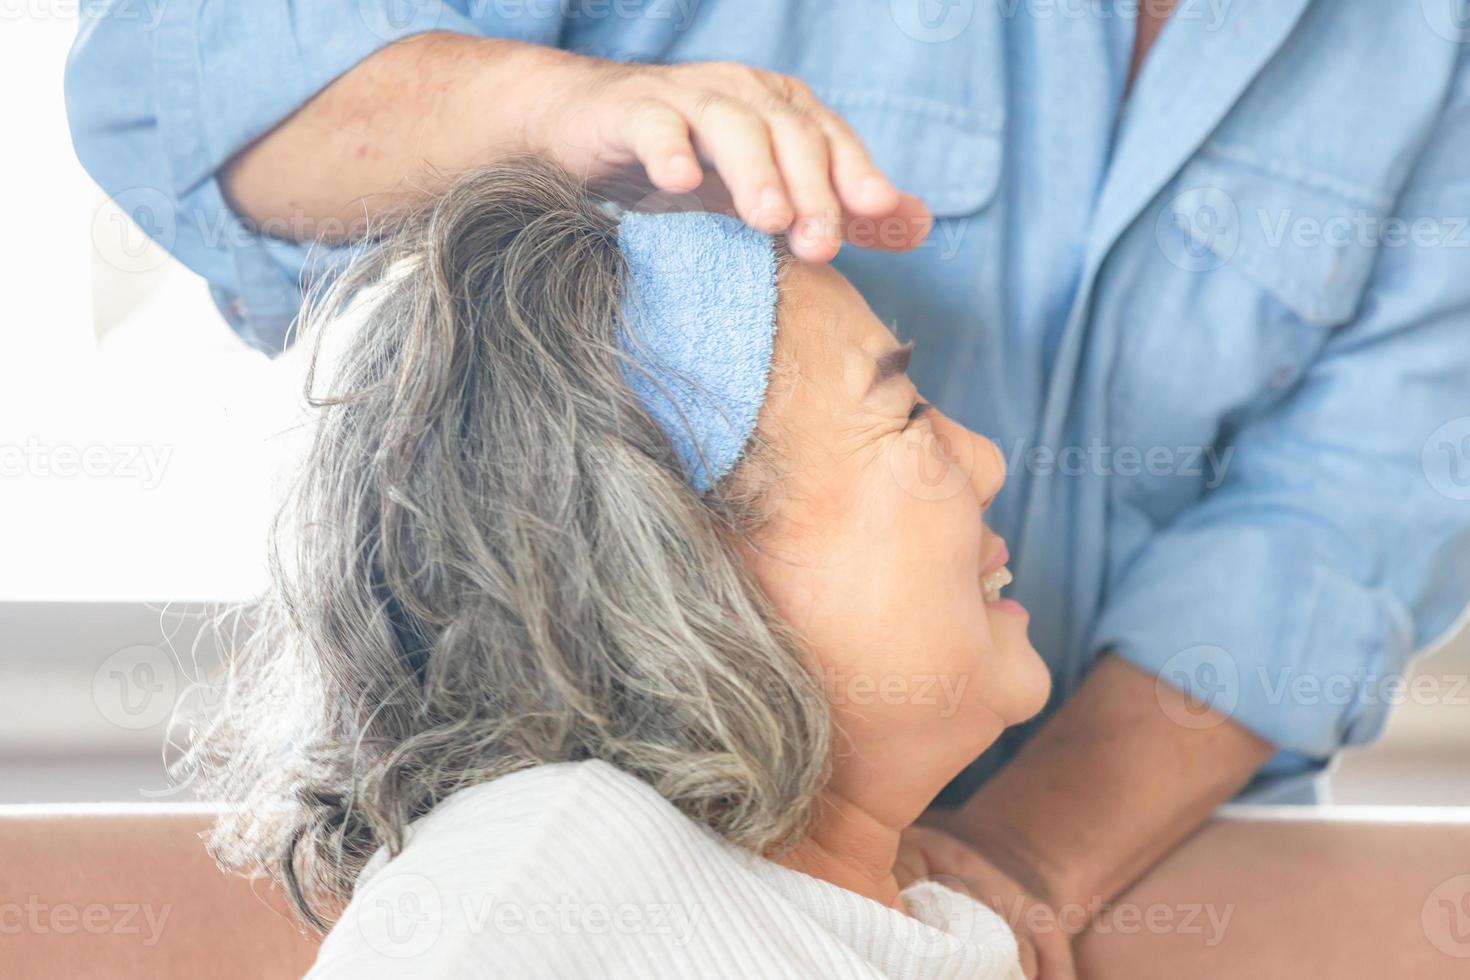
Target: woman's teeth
pixel 990 585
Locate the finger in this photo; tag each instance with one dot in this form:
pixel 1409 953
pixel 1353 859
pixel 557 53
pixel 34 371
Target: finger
pixel 1030 964
pixel 1054 960
pixel 862 187
pixel 658 135
pixel 805 160
pixel 736 142
pixel 904 228
pixel 865 191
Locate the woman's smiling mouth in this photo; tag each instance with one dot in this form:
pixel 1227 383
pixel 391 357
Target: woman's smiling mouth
pixel 992 584
pixel 994 576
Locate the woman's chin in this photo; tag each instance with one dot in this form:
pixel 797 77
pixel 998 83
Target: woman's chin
pixel 1038 686
pixel 1026 679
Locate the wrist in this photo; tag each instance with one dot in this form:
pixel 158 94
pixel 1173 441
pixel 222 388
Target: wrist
pixel 543 84
pixel 1016 855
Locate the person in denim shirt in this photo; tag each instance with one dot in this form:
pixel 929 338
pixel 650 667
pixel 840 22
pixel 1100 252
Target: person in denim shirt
pixel 1202 271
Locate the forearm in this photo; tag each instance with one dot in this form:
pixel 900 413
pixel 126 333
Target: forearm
pixel 386 133
pixel 1332 898
pixel 1106 788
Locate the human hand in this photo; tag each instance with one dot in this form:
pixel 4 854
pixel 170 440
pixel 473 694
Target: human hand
pixel 776 156
pixel 1045 945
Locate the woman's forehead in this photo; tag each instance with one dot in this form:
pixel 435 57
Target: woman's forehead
pixel 828 329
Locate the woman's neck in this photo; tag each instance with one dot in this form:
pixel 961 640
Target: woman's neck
pixel 850 846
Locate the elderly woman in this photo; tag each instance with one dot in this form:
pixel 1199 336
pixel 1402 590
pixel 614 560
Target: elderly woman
pixel 633 602
pixel 1171 274
pixel 549 678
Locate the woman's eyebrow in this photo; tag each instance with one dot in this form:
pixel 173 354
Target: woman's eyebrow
pixel 891 364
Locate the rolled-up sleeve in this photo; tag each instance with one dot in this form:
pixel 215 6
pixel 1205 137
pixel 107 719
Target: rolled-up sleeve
pixel 160 96
pixel 1291 597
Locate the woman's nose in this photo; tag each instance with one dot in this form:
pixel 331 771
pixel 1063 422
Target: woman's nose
pixel 965 458
pixel 989 472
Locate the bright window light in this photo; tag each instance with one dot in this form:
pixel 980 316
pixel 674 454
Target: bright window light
pixel 138 435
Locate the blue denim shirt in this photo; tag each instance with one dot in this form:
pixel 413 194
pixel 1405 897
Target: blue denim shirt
pixel 1221 331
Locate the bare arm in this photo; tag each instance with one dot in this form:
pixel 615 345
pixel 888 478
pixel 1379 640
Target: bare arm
pixel 376 138
pixel 1107 787
pixel 390 130
pixel 1296 897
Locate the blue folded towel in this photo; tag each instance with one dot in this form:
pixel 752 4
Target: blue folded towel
pixel 699 309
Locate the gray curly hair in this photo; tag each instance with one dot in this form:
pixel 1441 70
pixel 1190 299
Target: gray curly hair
pixel 490 560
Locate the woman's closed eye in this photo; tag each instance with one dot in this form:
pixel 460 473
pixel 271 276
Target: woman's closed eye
pixel 918 411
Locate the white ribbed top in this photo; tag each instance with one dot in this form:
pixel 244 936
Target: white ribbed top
pixel 581 870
